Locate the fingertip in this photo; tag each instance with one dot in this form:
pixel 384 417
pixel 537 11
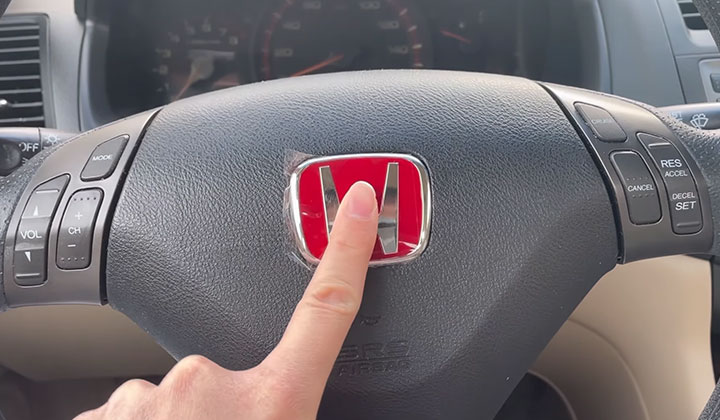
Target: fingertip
pixel 361 201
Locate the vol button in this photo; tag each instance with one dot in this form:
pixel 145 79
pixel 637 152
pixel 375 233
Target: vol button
pixel 32 234
pixel 30 267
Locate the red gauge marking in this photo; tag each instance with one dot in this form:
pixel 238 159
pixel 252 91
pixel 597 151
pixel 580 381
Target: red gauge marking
pixel 332 60
pixel 455 36
pixel 403 14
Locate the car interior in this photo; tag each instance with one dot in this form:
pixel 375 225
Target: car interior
pixel 572 157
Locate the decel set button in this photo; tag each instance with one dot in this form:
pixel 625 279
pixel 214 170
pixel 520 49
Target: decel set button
pixel 640 189
pixel 682 192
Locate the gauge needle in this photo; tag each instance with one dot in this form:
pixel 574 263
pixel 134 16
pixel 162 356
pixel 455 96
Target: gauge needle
pixel 455 36
pixel 201 68
pixel 332 60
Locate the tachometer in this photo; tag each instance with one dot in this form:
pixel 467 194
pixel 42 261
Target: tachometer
pixel 319 36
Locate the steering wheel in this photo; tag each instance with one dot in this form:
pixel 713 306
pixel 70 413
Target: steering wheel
pixel 194 220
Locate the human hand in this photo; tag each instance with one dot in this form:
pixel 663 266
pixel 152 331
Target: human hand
pixel 290 382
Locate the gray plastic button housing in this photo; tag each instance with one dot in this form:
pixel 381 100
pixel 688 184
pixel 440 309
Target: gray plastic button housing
pixel 81 285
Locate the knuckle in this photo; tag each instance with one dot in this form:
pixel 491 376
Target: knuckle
pixel 130 390
pixel 346 245
pixel 97 413
pixel 195 365
pixel 188 371
pixel 134 386
pixel 333 296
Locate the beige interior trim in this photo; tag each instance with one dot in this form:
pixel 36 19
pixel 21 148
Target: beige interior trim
pixel 74 342
pixel 636 348
pixel 640 340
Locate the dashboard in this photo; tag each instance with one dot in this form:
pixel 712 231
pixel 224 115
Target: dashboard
pixel 105 57
pixel 159 51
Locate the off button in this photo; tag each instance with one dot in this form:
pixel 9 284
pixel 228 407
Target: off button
pixel 104 159
pixel 640 189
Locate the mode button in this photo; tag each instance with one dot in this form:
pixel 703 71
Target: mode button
pixel 104 158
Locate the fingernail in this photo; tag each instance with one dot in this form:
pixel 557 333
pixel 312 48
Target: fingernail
pixel 362 202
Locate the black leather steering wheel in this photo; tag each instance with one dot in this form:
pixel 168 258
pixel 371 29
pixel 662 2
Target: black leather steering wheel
pixel 537 191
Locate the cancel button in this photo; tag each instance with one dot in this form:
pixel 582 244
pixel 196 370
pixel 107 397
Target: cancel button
pixel 640 190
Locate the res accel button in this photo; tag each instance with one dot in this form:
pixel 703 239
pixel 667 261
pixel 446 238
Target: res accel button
pixel 601 122
pixel 104 159
pixel 74 246
pixel 640 189
pixel 682 193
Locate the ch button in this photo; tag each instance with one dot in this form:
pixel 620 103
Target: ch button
pixel 74 246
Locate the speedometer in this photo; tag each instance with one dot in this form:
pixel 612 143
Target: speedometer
pixel 198 55
pixel 319 36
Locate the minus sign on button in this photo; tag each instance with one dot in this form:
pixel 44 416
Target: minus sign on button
pixel 72 245
pixel 26 275
pixel 687 224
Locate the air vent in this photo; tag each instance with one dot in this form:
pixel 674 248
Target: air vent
pixel 690 14
pixel 21 55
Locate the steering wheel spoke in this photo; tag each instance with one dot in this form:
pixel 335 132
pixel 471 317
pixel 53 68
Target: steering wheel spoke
pixel 57 231
pixel 661 197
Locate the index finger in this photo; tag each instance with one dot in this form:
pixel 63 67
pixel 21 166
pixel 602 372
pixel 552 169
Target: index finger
pixel 321 320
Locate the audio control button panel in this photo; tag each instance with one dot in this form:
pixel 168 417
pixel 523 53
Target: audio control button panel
pixel 54 247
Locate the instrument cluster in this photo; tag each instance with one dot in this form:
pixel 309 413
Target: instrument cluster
pixel 160 51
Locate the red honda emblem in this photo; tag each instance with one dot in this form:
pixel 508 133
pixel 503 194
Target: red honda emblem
pixel 403 192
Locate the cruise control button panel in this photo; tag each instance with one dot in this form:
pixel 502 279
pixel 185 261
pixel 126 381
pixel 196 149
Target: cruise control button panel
pixel 74 245
pixel 30 254
pixel 679 182
pixel 640 189
pixel 104 158
pixel 659 196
